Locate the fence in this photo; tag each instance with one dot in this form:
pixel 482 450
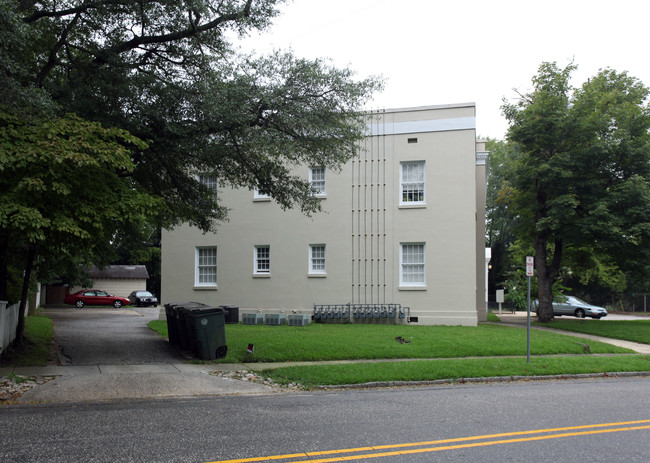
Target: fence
pixel 8 324
pixel 505 306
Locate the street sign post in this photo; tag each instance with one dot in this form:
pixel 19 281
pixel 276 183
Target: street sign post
pixel 530 271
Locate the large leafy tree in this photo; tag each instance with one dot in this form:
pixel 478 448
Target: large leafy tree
pixel 165 72
pixel 64 190
pixel 501 220
pixel 581 173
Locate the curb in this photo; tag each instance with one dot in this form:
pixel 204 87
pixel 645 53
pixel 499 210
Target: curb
pixel 489 379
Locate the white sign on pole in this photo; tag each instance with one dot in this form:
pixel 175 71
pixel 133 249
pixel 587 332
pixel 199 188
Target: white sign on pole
pixel 530 265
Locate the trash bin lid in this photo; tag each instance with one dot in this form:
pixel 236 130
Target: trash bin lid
pixel 201 311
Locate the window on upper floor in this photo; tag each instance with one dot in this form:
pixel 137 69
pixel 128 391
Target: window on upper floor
pixel 317 180
pixel 412 264
pixel 412 182
pixel 261 194
pixel 210 181
pixel 317 259
pixel 205 272
pixel 262 256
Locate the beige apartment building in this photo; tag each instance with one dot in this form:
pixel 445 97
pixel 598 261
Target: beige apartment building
pixel 402 223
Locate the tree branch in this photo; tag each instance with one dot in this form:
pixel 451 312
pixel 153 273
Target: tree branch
pixel 193 30
pixel 59 14
pixel 52 58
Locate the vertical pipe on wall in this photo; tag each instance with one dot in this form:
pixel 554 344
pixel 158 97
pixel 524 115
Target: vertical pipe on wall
pixel 370 208
pixel 384 210
pixel 365 225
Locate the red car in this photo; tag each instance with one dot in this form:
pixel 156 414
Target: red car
pixel 95 297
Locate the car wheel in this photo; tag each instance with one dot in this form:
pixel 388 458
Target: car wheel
pixel 79 303
pixel 580 313
pixel 117 304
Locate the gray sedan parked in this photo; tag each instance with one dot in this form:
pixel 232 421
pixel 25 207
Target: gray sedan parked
pixel 571 305
pixel 143 299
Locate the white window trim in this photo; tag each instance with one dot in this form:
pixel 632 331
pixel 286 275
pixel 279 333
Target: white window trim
pixel 214 187
pixel 411 285
pixel 257 196
pixel 412 204
pixel 197 283
pixel 311 271
pixel 256 271
pixel 324 180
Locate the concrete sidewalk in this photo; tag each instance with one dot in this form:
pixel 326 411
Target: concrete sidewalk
pixel 115 382
pixel 68 384
pixel 520 319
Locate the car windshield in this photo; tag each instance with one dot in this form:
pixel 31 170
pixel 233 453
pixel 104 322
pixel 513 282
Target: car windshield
pixel 144 293
pixel 576 300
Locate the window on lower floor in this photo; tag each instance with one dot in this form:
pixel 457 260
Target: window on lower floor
pixel 262 259
pixel 412 264
pixel 317 259
pixel 206 267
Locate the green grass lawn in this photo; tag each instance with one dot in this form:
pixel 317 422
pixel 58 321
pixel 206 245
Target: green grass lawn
pixel 429 370
pixel 628 330
pixel 451 352
pixel 355 341
pixel 36 346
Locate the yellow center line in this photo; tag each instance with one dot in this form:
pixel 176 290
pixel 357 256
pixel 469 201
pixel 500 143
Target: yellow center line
pixel 475 444
pixel 447 441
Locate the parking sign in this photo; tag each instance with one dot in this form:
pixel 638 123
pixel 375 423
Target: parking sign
pixel 530 263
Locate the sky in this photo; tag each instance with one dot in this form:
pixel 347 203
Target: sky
pixel 431 52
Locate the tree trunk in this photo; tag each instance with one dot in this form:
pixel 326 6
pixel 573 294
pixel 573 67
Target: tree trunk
pixel 546 275
pixel 4 273
pixel 20 329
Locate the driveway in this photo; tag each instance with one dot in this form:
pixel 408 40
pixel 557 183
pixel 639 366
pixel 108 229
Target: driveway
pixel 110 354
pixel 107 336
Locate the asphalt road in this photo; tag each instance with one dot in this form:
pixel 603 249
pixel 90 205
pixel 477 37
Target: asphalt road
pixel 107 336
pixel 442 424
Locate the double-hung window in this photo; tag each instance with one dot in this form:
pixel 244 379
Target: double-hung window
pixel 260 194
pixel 317 180
pixel 412 183
pixel 205 273
pixel 317 259
pixel 262 264
pixel 210 181
pixel 412 265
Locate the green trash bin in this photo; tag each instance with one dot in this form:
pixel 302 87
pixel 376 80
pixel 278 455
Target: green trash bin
pixel 172 325
pixel 184 326
pixel 209 331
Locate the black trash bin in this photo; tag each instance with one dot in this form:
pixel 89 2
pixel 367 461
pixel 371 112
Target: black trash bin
pixel 232 313
pixel 172 325
pixel 209 331
pixel 185 329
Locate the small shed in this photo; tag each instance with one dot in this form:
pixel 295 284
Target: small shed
pixel 119 280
